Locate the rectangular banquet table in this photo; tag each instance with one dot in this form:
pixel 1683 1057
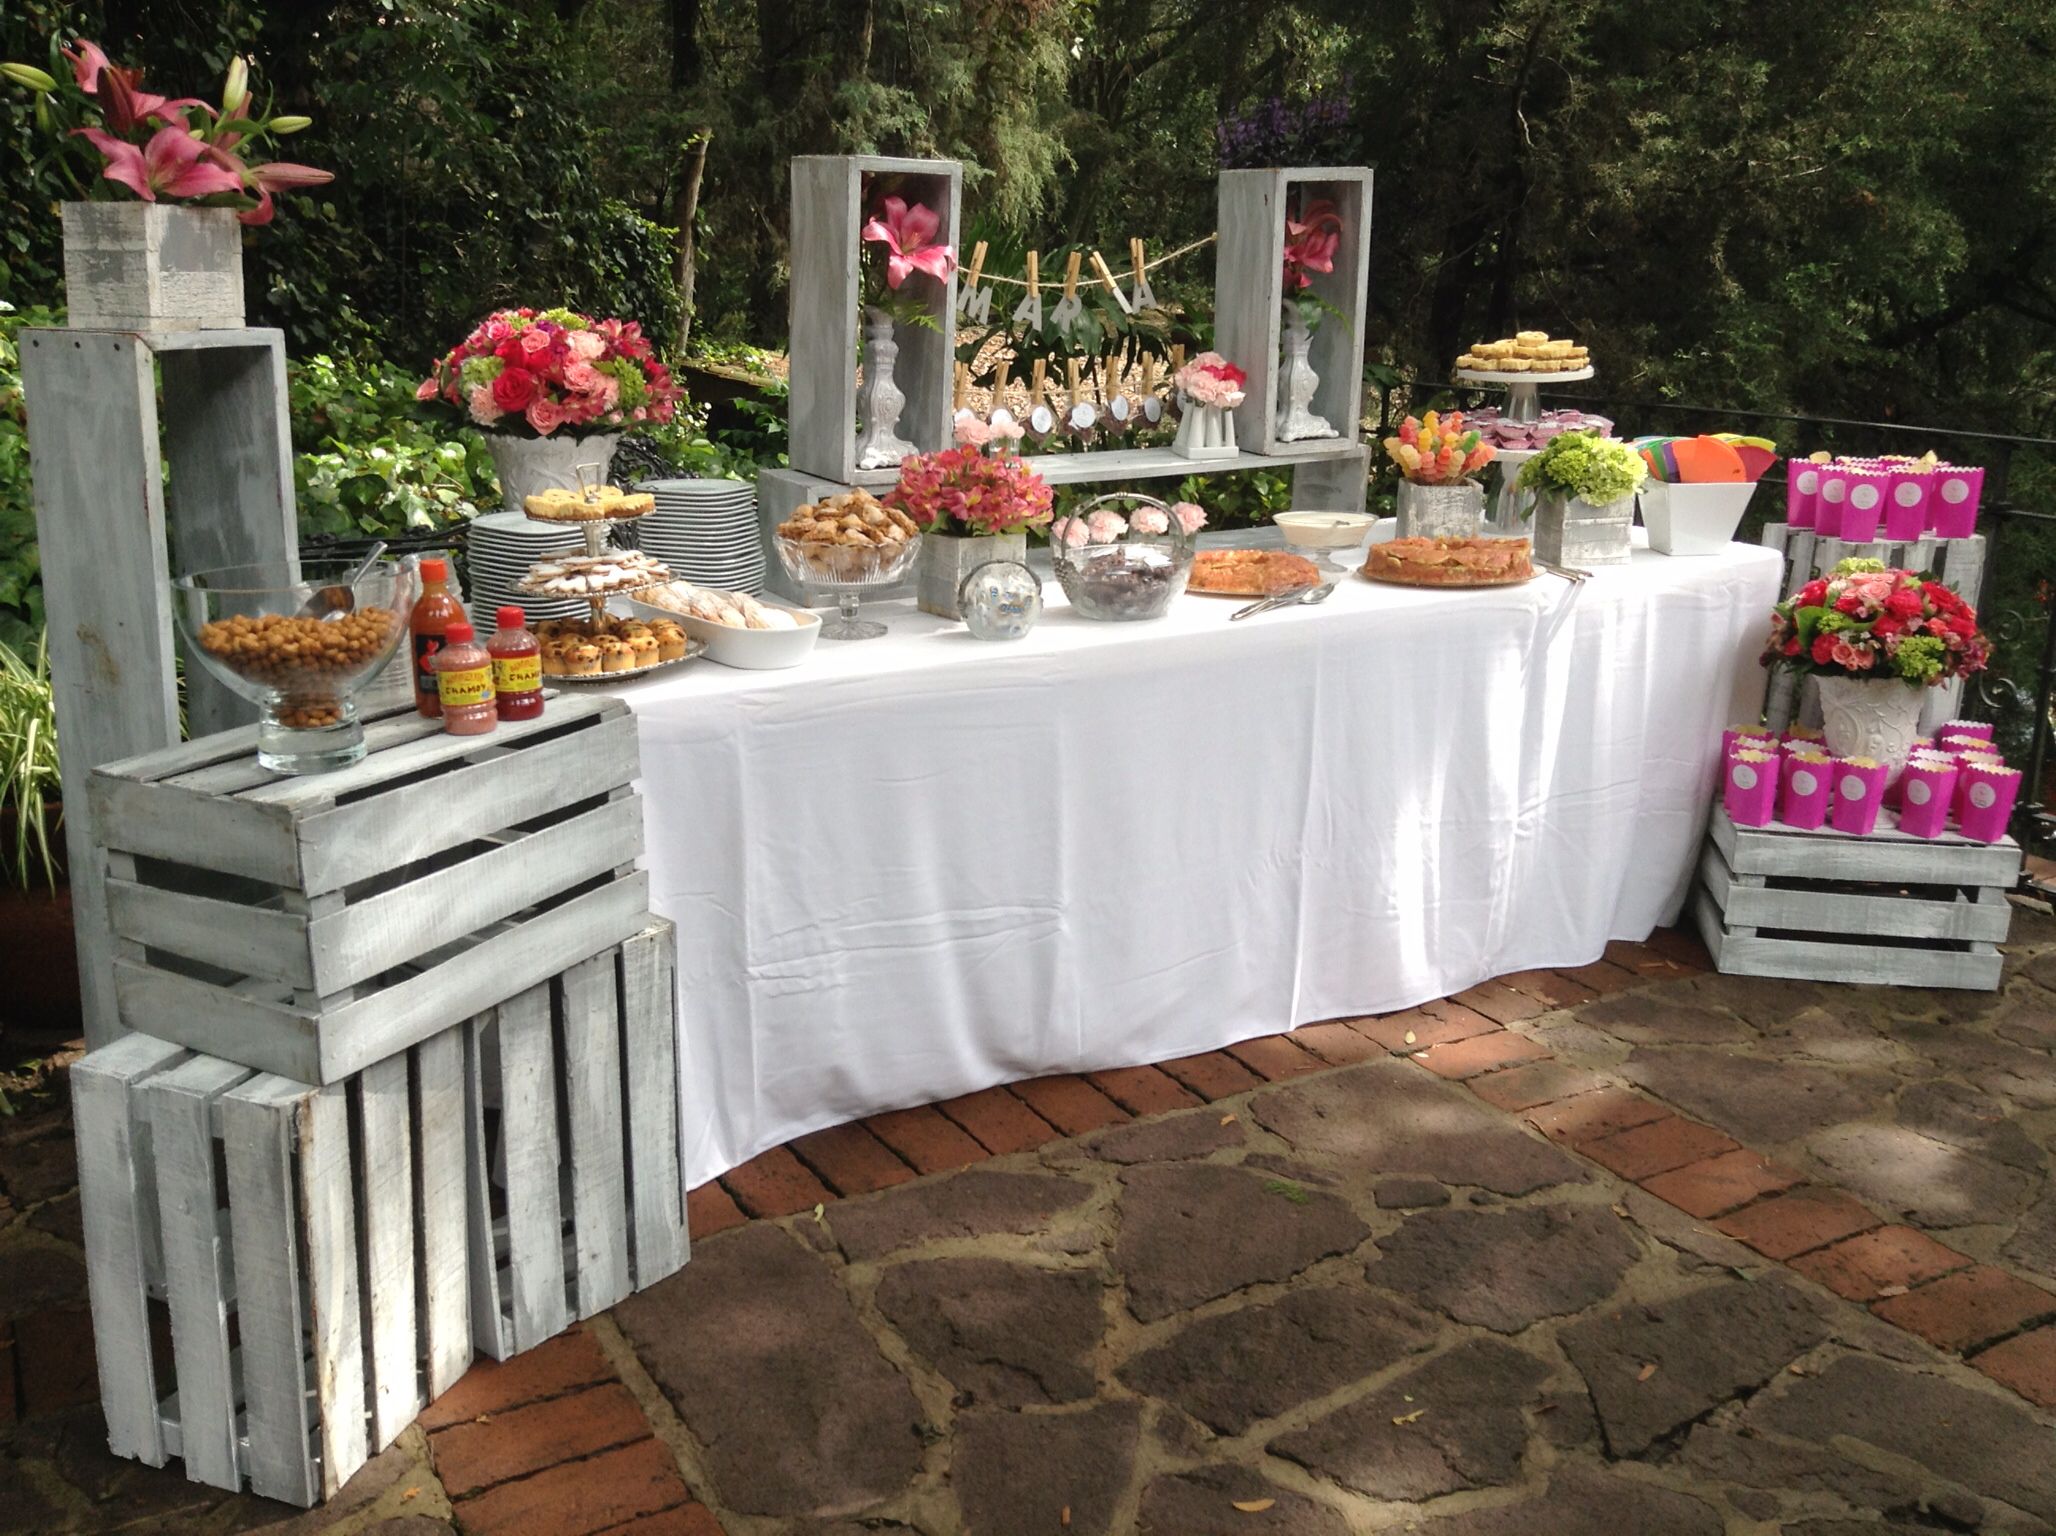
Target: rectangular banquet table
pixel 922 865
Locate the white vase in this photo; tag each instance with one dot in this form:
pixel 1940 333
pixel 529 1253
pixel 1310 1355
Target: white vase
pixel 152 267
pixel 1873 717
pixel 1205 432
pixel 1297 381
pixel 527 465
pixel 946 559
pixel 881 401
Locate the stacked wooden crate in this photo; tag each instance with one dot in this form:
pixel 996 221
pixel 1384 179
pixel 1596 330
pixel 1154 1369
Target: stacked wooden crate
pixel 403 1084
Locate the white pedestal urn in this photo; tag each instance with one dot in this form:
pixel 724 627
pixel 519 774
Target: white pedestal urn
pixel 1205 432
pixel 945 559
pixel 152 267
pixel 1297 381
pixel 527 465
pixel 880 401
pixel 1873 717
pixel 1569 530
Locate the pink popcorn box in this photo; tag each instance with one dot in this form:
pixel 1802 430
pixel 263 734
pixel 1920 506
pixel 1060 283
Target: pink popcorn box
pixel 1925 790
pixel 1907 499
pixel 1802 492
pixel 1859 793
pixel 1754 734
pixel 1834 500
pixel 1952 514
pixel 1988 801
pixel 1863 509
pixel 1804 801
pixel 1965 761
pixel 1981 729
pixel 1749 790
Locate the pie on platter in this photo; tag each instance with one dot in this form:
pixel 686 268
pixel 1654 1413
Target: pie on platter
pixel 1250 572
pixel 1450 562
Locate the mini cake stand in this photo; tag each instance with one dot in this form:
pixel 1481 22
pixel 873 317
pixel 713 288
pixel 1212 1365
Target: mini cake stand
pixel 1521 404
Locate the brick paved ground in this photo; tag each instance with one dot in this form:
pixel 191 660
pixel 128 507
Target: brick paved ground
pixel 1621 1248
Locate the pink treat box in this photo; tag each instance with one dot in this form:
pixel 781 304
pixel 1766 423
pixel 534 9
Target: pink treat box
pixel 1982 729
pixel 1988 801
pixel 1755 735
pixel 1863 512
pixel 1834 499
pixel 1750 788
pixel 1953 512
pixel 1859 793
pixel 1965 761
pixel 1925 790
pixel 1906 503
pixel 1802 492
pixel 1804 802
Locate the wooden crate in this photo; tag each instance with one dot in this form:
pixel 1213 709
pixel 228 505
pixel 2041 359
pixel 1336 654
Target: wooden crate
pixel 315 926
pixel 1823 905
pixel 1249 299
pixel 572 1114
pixel 308 1244
pixel 829 206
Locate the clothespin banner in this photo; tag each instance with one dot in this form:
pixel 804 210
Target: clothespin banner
pixel 1099 267
pixel 1029 311
pixel 1143 296
pixel 1000 412
pixel 1068 309
pixel 975 303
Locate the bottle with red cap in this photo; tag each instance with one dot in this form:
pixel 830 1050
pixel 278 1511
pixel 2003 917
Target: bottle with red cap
pixel 464 683
pixel 517 666
pixel 434 612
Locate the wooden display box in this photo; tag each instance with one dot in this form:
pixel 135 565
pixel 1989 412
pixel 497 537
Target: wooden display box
pixel 572 1131
pixel 1828 906
pixel 308 1245
pixel 315 926
pixel 1249 299
pixel 832 196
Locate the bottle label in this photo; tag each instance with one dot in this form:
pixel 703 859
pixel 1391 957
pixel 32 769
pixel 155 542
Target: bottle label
pixel 517 674
pixel 465 685
pixel 425 648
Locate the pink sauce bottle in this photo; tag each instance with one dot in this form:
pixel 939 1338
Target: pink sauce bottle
pixel 464 682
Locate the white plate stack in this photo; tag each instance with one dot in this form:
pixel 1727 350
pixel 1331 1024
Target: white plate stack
pixel 501 548
pixel 706 531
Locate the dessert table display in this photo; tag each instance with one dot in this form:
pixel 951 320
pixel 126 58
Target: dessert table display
pixel 925 865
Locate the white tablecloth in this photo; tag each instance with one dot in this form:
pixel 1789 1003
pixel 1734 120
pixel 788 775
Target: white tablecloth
pixel 922 865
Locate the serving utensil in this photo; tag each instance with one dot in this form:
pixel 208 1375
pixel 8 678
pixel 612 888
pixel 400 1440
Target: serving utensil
pixel 340 600
pixel 1291 597
pixel 1569 573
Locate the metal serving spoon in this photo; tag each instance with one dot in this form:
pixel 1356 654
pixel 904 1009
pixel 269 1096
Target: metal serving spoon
pixel 340 600
pixel 1288 599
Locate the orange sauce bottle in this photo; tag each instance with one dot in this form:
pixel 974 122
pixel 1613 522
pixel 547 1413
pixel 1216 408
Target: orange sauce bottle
pixel 434 612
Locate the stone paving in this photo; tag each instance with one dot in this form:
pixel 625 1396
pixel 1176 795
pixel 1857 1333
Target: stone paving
pixel 1617 1249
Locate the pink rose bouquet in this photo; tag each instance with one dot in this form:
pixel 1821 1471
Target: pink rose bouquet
pixel 1211 380
pixel 1864 620
pixel 964 492
pixel 534 372
pixel 1106 526
pixel 162 149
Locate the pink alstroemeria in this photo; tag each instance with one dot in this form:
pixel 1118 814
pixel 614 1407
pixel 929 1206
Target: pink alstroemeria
pixel 87 61
pixel 170 163
pixel 905 233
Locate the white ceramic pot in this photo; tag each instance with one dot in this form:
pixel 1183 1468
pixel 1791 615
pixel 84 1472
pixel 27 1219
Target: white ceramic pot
pixel 1693 519
pixel 152 267
pixel 527 465
pixel 1205 432
pixel 945 560
pixel 1874 717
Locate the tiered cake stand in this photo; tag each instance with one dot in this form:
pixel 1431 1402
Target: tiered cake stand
pixel 597 531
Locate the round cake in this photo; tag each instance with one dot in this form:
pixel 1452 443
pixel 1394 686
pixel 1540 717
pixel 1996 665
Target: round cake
pixel 609 504
pixel 1450 562
pixel 1250 572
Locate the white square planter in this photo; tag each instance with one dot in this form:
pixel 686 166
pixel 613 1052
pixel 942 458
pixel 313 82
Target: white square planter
pixel 1693 519
pixel 944 560
pixel 1572 531
pixel 152 267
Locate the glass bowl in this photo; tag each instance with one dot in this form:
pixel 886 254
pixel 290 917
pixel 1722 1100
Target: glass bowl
pixel 266 639
pixel 846 570
pixel 1133 576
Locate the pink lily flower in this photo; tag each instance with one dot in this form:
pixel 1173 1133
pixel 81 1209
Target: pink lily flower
pixel 170 163
pixel 86 63
pixel 906 234
pixel 279 176
pixel 128 108
pixel 1312 242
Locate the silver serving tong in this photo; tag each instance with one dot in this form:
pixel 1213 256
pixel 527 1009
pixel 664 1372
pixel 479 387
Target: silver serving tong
pixel 1569 573
pixel 1291 597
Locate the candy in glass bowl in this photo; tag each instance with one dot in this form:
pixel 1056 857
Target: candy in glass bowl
pixel 300 650
pixel 1124 566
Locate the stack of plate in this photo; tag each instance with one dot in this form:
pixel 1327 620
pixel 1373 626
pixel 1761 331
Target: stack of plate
pixel 706 531
pixel 499 549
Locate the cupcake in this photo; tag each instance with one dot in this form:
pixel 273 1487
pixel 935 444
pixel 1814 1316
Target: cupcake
pixel 581 660
pixel 615 656
pixel 553 658
pixel 643 651
pixel 670 642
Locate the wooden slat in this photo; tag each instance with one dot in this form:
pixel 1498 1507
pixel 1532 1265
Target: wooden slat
pixel 1885 916
pixel 251 941
pixel 1863 964
pixel 649 1032
pixel 328 1215
pixel 589 1010
pixel 260 1134
pixel 386 1210
pixel 439 1140
pixel 166 822
pixel 198 1269
pixel 823 264
pixel 529 1144
pixel 266 1036
pixel 491 1334
pixel 117 1185
pixel 368 937
pixel 369 837
pixel 1885 857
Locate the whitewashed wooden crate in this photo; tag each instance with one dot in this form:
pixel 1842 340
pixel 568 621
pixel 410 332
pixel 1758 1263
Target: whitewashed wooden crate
pixel 1249 299
pixel 572 1128
pixel 309 1245
pixel 315 926
pixel 1889 908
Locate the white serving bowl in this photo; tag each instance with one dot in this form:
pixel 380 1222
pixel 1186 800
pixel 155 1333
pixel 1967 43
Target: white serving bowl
pixel 752 650
pixel 1693 519
pixel 1324 530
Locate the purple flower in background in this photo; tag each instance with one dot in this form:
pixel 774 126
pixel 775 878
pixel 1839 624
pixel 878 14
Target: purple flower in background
pixel 1316 131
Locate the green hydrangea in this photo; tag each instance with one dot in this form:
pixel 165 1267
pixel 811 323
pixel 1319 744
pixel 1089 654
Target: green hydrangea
pixel 1920 658
pixel 1585 464
pixel 1855 567
pixel 474 371
pixel 628 373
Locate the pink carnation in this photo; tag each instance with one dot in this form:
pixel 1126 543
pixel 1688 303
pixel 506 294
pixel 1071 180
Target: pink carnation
pixel 1190 517
pixel 1105 526
pixel 1150 520
pixel 970 432
pixel 587 346
pixel 1004 428
pixel 1069 532
pixel 485 410
pixel 426 389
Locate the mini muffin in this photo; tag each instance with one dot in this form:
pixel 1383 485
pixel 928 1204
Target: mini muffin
pixel 670 643
pixel 615 656
pixel 1531 338
pixel 553 658
pixel 581 660
pixel 643 651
